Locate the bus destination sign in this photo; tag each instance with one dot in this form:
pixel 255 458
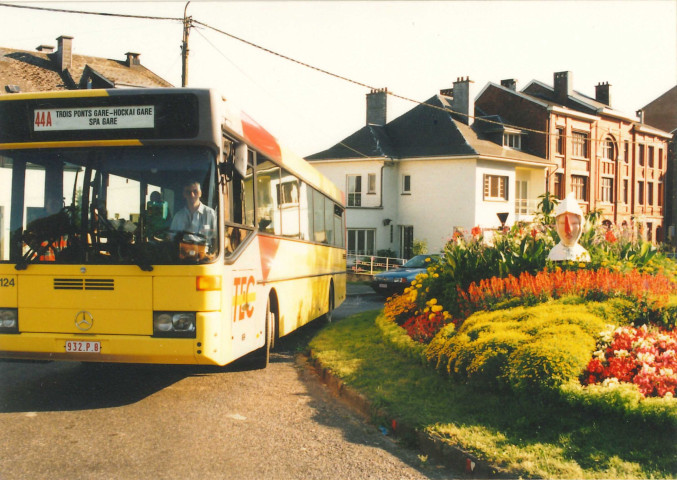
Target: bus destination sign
pixel 94 118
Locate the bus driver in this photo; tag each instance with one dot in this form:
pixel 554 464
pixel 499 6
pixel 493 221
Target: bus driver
pixel 195 217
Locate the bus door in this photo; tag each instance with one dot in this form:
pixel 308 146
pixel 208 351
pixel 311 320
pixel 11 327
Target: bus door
pixel 246 333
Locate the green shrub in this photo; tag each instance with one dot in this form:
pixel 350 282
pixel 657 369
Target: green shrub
pixel 395 336
pixel 553 358
pixel 624 400
pixel 524 349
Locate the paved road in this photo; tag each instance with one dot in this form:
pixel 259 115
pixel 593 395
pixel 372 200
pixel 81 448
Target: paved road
pixel 74 420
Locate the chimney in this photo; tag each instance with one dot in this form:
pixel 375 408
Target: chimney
pixel 563 86
pixel 640 115
pixel 509 83
pixel 64 53
pixel 133 59
pixel 603 93
pixel 45 48
pixel 377 107
pixel 461 102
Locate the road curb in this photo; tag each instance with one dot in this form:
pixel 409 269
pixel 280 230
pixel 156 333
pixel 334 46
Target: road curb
pixel 451 456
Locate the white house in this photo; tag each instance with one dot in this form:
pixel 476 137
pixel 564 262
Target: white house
pixel 429 173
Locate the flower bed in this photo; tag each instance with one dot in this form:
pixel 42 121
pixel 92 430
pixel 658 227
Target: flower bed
pixel 644 356
pixel 634 282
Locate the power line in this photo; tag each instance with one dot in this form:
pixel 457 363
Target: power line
pixel 309 66
pixel 83 12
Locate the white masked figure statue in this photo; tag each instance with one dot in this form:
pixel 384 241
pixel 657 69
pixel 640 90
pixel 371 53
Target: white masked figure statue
pixel 569 221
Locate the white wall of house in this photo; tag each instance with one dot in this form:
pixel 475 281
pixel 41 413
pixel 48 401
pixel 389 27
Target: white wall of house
pixel 440 200
pixel 486 208
pixel 445 195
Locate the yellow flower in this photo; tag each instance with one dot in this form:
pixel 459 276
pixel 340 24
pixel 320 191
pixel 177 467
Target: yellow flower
pixel 432 301
pixel 431 316
pixel 427 259
pixel 437 308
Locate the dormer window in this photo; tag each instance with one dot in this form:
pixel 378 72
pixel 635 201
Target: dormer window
pixel 512 140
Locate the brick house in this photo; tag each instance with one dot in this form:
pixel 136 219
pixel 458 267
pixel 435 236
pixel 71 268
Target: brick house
pixel 662 113
pixel 429 173
pixel 613 161
pixel 46 69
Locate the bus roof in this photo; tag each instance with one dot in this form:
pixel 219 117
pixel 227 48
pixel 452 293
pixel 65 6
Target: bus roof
pixel 238 122
pixel 223 116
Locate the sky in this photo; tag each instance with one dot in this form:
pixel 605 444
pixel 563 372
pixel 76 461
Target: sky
pixel 412 48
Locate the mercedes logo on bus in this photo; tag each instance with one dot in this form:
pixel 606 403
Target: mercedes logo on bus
pixel 84 320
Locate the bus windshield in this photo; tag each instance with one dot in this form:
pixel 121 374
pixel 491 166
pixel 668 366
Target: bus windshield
pixel 115 205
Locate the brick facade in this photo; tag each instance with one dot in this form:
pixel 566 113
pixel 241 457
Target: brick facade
pixel 615 164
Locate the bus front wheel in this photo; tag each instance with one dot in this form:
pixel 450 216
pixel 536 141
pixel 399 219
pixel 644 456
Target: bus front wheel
pixel 262 355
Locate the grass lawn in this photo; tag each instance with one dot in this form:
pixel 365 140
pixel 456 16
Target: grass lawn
pixel 526 436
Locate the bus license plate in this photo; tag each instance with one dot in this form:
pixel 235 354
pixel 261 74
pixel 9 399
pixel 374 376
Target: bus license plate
pixel 77 346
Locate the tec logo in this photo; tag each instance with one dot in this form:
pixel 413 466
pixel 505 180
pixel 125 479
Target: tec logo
pixel 244 297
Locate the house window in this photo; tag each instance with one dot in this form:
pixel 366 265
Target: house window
pixel 558 188
pixel 560 141
pixel 609 149
pixel 607 188
pixel 640 148
pixel 361 241
pixel 579 185
pixel 660 159
pixel 625 191
pixel 406 183
pixel 512 140
pixel 579 142
pixel 371 183
pixel 640 192
pixel 354 190
pixel 649 194
pixel 626 151
pixel 651 156
pixel 495 187
pixel 660 194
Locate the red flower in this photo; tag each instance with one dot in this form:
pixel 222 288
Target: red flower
pixel 476 231
pixel 610 237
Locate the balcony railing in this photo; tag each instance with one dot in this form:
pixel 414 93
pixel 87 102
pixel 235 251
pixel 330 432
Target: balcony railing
pixel 525 207
pixel 369 264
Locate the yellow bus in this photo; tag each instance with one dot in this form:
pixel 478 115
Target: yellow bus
pixel 157 226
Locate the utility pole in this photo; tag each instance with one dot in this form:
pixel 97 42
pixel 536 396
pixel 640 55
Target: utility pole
pixel 187 24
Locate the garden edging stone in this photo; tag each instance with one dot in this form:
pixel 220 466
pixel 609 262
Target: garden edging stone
pixel 450 455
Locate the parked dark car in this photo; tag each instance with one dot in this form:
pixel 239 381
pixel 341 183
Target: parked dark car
pixel 396 280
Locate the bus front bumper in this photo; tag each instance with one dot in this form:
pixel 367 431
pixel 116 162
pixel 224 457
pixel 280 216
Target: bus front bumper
pixel 105 348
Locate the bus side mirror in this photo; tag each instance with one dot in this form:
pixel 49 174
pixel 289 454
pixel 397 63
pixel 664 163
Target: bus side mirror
pixel 240 159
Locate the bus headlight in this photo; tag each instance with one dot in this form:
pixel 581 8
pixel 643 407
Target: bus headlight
pixel 174 324
pixel 9 320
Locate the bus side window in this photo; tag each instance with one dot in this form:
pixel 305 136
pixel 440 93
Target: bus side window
pixel 288 203
pixel 267 180
pixel 329 220
pixel 338 226
pixel 239 209
pixel 318 217
pixel 306 211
